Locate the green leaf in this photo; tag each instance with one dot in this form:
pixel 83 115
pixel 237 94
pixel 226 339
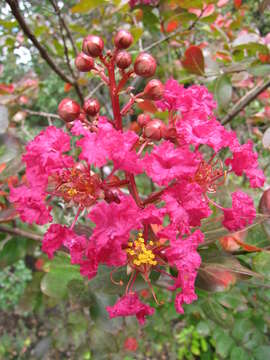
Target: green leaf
pixel 224 343
pixel 136 33
pixel 9 147
pixel 262 352
pixel 84 6
pixel 260 70
pixel 242 329
pixel 239 353
pixel 217 313
pixel 61 272
pixel 223 91
pixel 261 263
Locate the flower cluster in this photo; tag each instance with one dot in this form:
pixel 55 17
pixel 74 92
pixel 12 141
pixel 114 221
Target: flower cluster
pixel 145 235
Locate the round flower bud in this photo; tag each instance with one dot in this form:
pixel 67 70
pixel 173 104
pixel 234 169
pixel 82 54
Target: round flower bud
pixel 91 107
pixel 154 90
pixel 143 119
pixel 169 133
pixel 145 65
pixel 84 62
pixel 93 45
pixel 153 129
pixel 123 39
pixel 68 110
pixel 123 59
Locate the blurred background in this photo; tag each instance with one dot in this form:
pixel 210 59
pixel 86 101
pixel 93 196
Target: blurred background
pixel 47 310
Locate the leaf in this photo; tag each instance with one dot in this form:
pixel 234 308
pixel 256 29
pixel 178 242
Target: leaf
pixel 261 263
pixel 216 312
pixel 60 273
pixel 260 70
pixel 224 343
pixel 136 33
pixel 9 147
pixel 84 6
pixel 223 91
pixel 262 352
pixel 239 353
pixel 15 249
pixel 193 60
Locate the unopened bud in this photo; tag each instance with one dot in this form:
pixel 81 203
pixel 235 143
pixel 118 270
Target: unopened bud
pixel 169 133
pixel 143 119
pixel 154 90
pixel 145 65
pixel 84 62
pixel 93 45
pixel 68 110
pixel 123 59
pixel 91 107
pixel 153 129
pixel 123 39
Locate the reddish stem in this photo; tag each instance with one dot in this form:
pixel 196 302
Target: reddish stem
pixel 114 96
pixel 133 189
pixel 124 79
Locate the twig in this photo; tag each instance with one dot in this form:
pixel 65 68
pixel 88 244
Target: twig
pixel 20 232
pixel 244 101
pixel 94 90
pixel 64 24
pixel 14 6
pixel 41 113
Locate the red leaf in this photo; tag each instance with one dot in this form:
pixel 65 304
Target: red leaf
pixel 193 60
pixel 171 26
pixel 67 87
pixel 237 3
pixel 9 89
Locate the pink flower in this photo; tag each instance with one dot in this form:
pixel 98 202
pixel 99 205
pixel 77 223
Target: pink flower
pixel 166 162
pixel 198 129
pixel 184 256
pixel 244 160
pixel 109 144
pixel 172 92
pixel 113 225
pixel 30 205
pixel 44 155
pixel 191 100
pixel 54 239
pixel 130 305
pixel 242 212
pixel 186 205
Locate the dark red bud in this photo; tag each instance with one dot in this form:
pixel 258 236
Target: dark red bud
pixel 93 45
pixel 143 119
pixel 153 130
pixel 91 107
pixel 169 133
pixel 145 65
pixel 123 39
pixel 123 59
pixel 154 90
pixel 84 62
pixel 68 110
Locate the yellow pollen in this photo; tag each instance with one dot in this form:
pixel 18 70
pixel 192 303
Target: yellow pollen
pixel 72 192
pixel 139 253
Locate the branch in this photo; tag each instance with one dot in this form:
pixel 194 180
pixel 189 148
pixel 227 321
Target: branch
pixel 244 101
pixel 14 6
pixel 64 24
pixel 20 232
pixel 41 113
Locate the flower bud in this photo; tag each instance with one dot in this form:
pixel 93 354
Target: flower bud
pixel 84 62
pixel 93 45
pixel 154 90
pixel 145 65
pixel 143 119
pixel 123 59
pixel 153 129
pixel 123 39
pixel 68 110
pixel 169 133
pixel 91 107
